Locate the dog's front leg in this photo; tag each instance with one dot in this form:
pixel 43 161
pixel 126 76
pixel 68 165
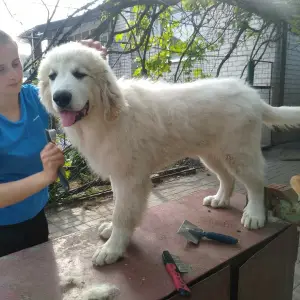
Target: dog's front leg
pixel 130 201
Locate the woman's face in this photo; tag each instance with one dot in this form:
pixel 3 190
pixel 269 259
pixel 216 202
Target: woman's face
pixel 11 73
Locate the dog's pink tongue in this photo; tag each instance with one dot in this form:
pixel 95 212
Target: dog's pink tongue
pixel 68 118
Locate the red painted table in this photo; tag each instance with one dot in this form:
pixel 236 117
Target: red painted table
pixel 261 266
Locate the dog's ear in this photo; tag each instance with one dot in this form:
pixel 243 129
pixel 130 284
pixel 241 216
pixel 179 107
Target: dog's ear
pixel 44 87
pixel 45 96
pixel 111 95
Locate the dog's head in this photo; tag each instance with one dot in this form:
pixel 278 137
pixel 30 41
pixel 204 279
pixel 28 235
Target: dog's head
pixel 73 79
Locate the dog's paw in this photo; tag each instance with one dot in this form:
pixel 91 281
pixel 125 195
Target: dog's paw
pixel 216 202
pixel 101 292
pixel 107 254
pixel 253 218
pixel 105 230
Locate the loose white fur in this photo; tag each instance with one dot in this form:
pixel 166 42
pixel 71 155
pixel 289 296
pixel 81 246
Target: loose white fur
pixel 135 127
pixel 74 289
pixel 101 292
pixel 73 285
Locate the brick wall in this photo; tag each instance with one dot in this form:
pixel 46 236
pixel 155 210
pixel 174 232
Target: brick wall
pixel 291 88
pixel 292 75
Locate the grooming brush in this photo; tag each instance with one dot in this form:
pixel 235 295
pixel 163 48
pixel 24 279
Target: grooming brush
pixel 51 137
pixel 194 234
pixel 182 267
pixel 173 271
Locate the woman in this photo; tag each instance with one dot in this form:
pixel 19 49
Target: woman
pixel 28 164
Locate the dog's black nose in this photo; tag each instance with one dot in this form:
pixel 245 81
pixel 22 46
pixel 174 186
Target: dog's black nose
pixel 62 98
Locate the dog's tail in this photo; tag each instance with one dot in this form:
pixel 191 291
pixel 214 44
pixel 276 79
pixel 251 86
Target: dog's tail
pixel 281 117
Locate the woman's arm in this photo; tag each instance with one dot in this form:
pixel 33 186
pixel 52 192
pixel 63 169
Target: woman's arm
pixel 13 192
pixel 16 191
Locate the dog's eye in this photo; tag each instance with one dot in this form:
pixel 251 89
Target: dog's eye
pixel 79 75
pixel 52 76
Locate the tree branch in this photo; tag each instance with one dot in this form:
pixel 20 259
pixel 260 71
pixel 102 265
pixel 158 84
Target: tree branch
pixel 10 13
pixel 265 43
pixel 132 35
pixel 143 38
pixel 234 45
pixel 137 24
pixel 271 10
pixel 49 18
pixel 55 38
pixel 196 30
pixel 111 34
pixel 153 19
pixel 254 46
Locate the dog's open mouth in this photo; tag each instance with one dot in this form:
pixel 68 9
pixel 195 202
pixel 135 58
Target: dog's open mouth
pixel 69 118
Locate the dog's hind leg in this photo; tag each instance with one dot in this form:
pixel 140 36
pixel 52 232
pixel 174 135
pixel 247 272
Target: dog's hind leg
pixel 249 169
pixel 222 197
pixel 130 202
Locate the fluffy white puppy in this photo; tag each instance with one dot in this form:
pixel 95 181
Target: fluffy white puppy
pixel 127 129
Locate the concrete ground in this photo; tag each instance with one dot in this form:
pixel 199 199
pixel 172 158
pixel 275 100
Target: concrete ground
pixel 70 220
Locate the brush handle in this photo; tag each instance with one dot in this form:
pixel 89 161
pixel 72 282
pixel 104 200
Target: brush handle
pixel 222 238
pixel 180 285
pixel 226 239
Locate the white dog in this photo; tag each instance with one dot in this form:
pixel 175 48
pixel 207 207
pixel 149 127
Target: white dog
pixel 127 129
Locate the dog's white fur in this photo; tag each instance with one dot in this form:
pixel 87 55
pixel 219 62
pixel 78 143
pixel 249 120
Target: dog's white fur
pixel 135 127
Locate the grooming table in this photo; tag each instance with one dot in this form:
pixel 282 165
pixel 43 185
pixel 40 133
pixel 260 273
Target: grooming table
pixel 260 267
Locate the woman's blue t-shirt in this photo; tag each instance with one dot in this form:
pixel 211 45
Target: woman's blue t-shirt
pixel 20 145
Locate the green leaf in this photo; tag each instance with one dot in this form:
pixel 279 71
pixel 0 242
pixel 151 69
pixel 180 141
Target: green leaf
pixel 137 72
pixel 68 173
pixel 119 37
pixel 197 73
pixel 295 25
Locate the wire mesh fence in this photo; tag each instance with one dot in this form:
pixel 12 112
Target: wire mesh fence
pixel 84 184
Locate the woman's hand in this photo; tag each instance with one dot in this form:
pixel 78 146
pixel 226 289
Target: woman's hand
pixel 52 158
pixel 96 45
